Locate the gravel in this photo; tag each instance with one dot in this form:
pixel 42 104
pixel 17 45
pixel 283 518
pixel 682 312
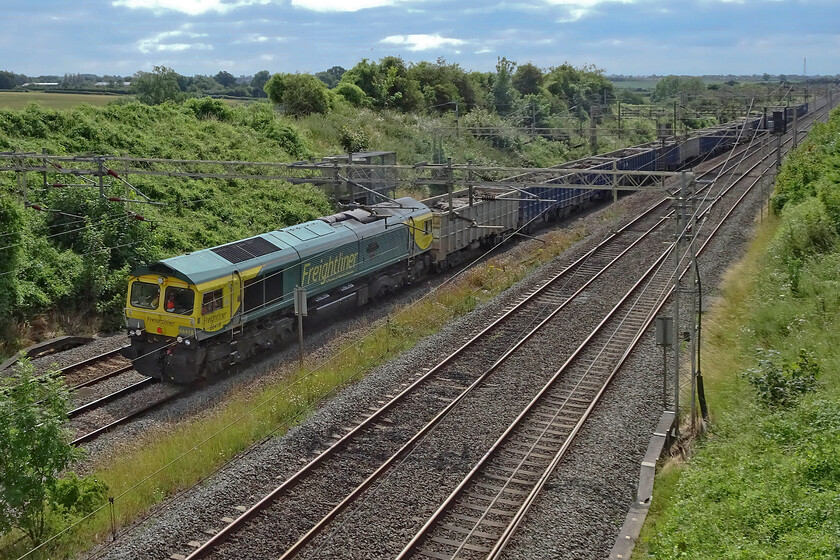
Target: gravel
pixel 580 513
pixel 610 446
pixel 243 482
pixel 99 345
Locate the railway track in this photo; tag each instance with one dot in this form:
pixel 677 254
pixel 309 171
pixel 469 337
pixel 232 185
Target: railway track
pixel 126 404
pixel 479 517
pixel 575 398
pixel 106 400
pixel 90 371
pixel 448 379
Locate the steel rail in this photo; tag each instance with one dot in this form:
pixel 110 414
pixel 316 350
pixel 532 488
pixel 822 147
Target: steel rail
pixel 89 361
pixel 133 388
pixel 108 427
pixel 495 553
pixel 223 535
pixel 504 538
pixel 423 534
pixel 102 377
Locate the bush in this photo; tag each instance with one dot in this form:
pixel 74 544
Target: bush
pixel 805 230
pixel 780 384
pixel 353 94
pixel 207 107
pixel 356 139
pixel 299 94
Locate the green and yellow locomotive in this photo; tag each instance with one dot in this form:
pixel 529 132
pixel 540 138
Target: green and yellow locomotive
pixel 196 314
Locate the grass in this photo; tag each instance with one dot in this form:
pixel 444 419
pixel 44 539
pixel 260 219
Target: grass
pixel 636 84
pixel 169 461
pixel 720 356
pixel 764 482
pixel 20 99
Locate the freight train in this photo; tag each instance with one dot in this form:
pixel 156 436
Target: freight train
pixel 195 315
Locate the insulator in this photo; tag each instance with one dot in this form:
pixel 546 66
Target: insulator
pixel 114 199
pixel 139 217
pixel 57 185
pixel 113 173
pixel 37 207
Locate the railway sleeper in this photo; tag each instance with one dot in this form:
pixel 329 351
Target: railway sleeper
pixel 465 530
pixel 493 499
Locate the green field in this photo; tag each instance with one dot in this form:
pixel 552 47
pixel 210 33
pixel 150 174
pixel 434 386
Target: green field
pixel 636 84
pixel 20 99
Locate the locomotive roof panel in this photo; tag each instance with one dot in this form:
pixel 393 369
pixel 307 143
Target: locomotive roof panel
pixel 308 241
pixel 281 246
pixel 193 268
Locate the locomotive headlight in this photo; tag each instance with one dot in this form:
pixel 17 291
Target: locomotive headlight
pixel 187 342
pixel 180 339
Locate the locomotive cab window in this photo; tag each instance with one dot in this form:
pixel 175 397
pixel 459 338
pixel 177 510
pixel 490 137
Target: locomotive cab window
pixel 211 301
pixel 145 295
pixel 427 227
pixel 179 300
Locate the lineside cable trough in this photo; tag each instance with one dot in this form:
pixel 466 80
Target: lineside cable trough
pixel 660 441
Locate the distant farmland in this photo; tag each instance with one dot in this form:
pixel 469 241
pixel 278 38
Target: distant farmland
pixel 20 99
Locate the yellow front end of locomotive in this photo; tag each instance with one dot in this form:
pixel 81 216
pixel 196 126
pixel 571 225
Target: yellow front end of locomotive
pixel 166 306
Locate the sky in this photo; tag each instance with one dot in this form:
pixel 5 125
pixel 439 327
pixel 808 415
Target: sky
pixel 631 37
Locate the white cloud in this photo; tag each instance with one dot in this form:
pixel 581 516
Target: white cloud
pixel 255 38
pixel 163 41
pixel 422 42
pixel 189 7
pixel 344 5
pixel 578 9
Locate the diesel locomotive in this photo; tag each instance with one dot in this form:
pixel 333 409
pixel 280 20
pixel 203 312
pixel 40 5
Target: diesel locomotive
pixel 192 315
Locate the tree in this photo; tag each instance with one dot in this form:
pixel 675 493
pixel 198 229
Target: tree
pixel 299 94
pixel 7 80
pixel 225 78
pixel 503 91
pixel 11 231
pixel 34 445
pixel 332 76
pixel 673 86
pixel 204 85
pixel 527 79
pixel 580 87
pixel 153 88
pixel 365 75
pixel 258 83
